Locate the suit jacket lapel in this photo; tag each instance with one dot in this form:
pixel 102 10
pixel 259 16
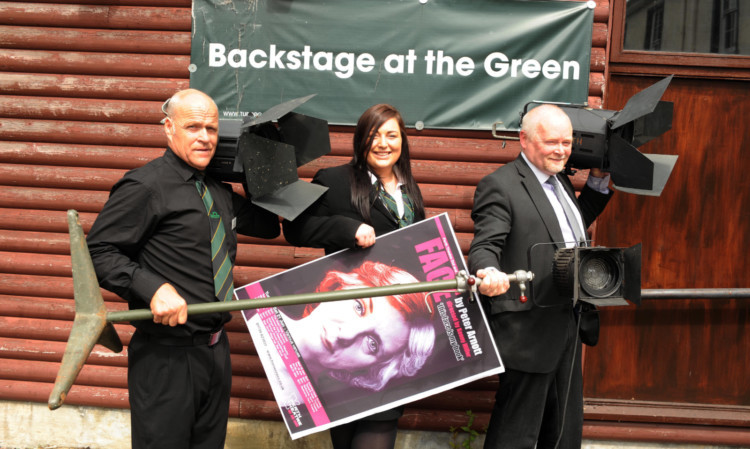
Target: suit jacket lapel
pixel 540 201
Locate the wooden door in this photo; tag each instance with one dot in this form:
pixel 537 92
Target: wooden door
pixel 682 361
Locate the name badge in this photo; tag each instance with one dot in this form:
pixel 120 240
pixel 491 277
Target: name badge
pixel 234 223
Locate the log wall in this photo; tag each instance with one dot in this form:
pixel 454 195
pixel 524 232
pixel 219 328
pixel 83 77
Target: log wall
pixel 81 85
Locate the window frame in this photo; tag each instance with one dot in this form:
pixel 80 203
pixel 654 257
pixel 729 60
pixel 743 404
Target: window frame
pixel 707 65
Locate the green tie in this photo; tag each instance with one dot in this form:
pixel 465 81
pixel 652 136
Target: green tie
pixel 390 204
pixel 222 265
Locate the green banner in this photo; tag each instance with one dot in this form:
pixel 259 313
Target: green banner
pixel 445 64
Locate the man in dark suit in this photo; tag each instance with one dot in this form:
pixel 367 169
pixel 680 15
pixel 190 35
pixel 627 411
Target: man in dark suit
pixel 540 397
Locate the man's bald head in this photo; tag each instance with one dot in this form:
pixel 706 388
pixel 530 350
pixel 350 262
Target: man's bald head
pixel 192 127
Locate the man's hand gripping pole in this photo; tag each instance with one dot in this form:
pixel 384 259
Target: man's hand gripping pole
pixel 520 276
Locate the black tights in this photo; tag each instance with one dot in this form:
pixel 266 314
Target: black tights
pixel 363 434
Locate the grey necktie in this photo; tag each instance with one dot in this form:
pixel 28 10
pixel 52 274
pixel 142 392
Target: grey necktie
pixel 569 215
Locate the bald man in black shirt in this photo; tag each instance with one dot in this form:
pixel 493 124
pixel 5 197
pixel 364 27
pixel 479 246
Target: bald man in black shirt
pixel 151 245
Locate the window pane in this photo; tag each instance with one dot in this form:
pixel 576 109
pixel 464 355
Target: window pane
pixel 688 26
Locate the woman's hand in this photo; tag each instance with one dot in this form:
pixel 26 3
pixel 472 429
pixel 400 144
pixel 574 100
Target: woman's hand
pixel 365 236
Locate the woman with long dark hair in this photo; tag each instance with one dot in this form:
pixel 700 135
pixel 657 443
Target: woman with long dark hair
pixel 373 194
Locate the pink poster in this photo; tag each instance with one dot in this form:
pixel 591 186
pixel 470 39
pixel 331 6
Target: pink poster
pixel 329 363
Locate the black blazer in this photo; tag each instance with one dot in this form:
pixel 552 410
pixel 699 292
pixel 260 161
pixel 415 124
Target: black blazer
pixel 332 221
pixel 511 214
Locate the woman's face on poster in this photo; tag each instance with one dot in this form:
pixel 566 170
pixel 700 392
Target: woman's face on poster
pixel 355 334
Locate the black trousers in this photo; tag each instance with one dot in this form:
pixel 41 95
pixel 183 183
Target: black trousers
pixel 532 408
pixel 179 395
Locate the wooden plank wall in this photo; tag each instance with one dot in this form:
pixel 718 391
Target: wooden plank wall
pixel 81 84
pixel 682 361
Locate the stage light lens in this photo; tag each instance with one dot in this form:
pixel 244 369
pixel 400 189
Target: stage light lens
pixel 599 274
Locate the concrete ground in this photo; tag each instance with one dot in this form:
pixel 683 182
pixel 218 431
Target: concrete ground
pixel 26 425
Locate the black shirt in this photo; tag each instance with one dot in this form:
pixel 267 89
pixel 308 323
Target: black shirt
pixel 154 230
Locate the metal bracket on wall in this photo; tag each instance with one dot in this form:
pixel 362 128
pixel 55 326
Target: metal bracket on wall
pixel 496 129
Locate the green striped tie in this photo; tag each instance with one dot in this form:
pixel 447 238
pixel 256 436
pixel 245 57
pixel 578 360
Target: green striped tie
pixel 222 265
pixel 390 204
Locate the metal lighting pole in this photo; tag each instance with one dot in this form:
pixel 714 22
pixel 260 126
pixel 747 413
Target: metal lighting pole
pixel 93 324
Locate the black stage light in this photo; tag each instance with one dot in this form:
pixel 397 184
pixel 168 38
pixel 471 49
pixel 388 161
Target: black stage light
pixel 264 152
pixel 225 165
pixel 599 275
pixel 608 140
